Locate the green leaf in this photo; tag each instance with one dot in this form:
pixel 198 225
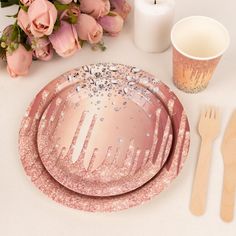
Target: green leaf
pixel 7 3
pixel 98 46
pixel 102 46
pixel 2 53
pixel 111 14
pixel 57 25
pixel 22 35
pixel 61 7
pixel 24 7
pixel 81 42
pixel 14 34
pixel 27 46
pixel 73 19
pixel 3 38
pixel 14 16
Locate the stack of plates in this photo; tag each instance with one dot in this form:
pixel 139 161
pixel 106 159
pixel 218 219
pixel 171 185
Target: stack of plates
pixel 104 137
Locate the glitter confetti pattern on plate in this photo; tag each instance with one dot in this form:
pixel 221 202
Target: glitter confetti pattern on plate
pixel 48 185
pixel 104 137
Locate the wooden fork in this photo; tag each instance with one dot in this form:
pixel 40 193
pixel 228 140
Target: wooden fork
pixel 209 127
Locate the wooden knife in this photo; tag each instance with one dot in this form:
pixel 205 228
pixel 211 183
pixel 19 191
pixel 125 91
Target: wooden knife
pixel 229 156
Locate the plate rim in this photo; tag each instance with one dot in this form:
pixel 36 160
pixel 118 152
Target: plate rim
pixel 87 203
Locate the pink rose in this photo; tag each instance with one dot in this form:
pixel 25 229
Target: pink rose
pixel 122 7
pixel 65 40
pixel 95 8
pixel 19 62
pixel 42 17
pixel 42 48
pixel 23 21
pixel 65 1
pixel 111 23
pixel 88 29
pixel 26 3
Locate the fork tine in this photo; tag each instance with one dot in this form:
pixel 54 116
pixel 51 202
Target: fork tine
pixel 217 115
pixel 213 112
pixel 203 114
pixel 208 112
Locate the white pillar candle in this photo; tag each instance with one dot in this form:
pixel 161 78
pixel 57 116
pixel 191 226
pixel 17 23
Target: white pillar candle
pixel 152 24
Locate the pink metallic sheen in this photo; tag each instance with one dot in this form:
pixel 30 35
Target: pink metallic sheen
pixel 94 137
pixel 49 186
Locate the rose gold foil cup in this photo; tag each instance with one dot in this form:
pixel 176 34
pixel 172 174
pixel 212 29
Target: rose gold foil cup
pixel 198 45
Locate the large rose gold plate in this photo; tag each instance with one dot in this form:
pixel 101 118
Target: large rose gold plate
pixel 38 174
pixel 104 137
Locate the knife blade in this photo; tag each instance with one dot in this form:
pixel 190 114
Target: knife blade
pixel 229 157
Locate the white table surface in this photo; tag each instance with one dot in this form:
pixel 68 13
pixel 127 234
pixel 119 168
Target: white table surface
pixel 25 211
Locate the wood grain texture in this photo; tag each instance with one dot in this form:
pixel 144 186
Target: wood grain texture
pixel 209 126
pixel 229 183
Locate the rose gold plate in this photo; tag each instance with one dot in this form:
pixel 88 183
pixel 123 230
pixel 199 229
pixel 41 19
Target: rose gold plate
pixel 48 185
pixel 104 136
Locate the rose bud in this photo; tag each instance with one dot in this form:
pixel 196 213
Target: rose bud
pixel 111 23
pixel 122 7
pixel 95 8
pixel 65 40
pixel 26 3
pixel 23 21
pixel 42 48
pixel 42 17
pixel 88 29
pixel 19 61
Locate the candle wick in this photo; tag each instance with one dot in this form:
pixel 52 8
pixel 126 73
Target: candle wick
pixel 155 1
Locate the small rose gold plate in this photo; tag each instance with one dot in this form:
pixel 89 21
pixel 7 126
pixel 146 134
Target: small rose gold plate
pixel 104 137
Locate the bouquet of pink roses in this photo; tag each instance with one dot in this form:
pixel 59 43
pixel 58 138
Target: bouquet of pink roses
pixel 63 26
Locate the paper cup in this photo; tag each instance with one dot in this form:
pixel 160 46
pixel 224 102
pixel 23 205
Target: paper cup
pixel 198 45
